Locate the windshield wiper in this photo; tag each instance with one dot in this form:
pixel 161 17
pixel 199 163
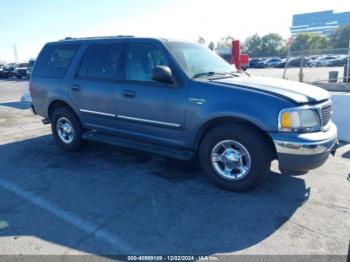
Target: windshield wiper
pixel 234 73
pixel 208 74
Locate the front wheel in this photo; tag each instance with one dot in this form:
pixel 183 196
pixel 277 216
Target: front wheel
pixel 235 157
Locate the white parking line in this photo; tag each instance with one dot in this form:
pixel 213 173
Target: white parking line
pixel 117 243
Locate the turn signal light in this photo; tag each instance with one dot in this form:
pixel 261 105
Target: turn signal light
pixel 286 120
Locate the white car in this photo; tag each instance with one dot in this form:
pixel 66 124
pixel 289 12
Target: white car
pixel 321 61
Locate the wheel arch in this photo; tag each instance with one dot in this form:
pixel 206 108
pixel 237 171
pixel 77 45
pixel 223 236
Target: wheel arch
pixel 59 103
pixel 212 123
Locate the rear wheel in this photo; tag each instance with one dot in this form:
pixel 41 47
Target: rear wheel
pixel 235 157
pixel 67 130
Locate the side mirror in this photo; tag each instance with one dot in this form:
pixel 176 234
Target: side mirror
pixel 162 74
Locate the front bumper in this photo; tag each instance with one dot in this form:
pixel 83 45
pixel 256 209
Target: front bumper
pixel 303 152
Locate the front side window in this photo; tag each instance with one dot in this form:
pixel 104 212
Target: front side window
pixel 54 60
pixel 100 62
pixel 197 59
pixel 140 61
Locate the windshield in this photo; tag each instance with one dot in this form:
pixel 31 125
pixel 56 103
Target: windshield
pixel 23 65
pixel 196 59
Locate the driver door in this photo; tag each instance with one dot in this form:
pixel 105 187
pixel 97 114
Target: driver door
pixel 148 109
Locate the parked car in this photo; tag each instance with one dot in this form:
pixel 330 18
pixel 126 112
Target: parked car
pixel 272 62
pixel 321 61
pixel 2 71
pixel 22 70
pixel 293 62
pixel 179 100
pixel 313 57
pixel 256 63
pixel 9 70
pixel 340 61
pixel 30 66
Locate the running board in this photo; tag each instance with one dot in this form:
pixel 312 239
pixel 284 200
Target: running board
pixel 180 154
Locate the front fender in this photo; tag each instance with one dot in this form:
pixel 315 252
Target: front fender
pixel 258 108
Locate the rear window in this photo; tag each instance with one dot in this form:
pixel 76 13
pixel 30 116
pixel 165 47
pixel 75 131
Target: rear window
pixel 55 60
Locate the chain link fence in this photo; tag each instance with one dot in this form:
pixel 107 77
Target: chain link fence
pixel 328 66
pixel 318 66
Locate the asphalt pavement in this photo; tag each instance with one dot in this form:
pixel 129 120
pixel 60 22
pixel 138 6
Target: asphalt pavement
pixel 107 200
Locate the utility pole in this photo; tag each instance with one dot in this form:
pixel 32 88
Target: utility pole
pixel 347 65
pixel 15 54
pixel 301 71
pixel 290 42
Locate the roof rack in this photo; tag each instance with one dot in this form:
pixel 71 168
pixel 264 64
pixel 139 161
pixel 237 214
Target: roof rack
pixel 95 37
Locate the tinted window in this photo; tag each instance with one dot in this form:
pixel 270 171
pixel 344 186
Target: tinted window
pixel 140 61
pixel 100 62
pixel 55 60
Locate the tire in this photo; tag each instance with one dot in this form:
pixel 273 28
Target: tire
pixel 252 141
pixel 73 140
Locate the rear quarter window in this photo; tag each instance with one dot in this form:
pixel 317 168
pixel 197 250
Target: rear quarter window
pixel 54 61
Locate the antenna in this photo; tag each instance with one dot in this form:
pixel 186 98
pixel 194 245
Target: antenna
pixel 15 54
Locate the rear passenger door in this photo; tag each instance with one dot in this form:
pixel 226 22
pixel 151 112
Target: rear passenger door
pixel 94 87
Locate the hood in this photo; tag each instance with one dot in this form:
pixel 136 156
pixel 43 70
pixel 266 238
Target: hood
pixel 290 90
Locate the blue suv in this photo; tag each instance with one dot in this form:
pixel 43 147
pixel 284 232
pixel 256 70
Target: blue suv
pixel 181 100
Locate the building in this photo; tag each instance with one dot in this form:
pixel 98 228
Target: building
pixel 324 22
pixel 225 53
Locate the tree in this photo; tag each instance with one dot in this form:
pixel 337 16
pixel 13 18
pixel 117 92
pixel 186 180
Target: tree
pixel 340 38
pixel 225 42
pixel 253 45
pixel 309 41
pixel 271 44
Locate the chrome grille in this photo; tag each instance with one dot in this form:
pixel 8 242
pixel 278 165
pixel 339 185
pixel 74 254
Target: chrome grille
pixel 326 114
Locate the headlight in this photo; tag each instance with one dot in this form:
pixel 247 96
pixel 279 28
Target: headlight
pixel 299 120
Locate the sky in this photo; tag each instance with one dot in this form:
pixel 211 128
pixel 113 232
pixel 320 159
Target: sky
pixel 29 24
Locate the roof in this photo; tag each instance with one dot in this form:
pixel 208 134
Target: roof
pixel 101 38
pixel 97 37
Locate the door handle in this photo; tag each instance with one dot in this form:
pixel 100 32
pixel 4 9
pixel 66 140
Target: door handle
pixel 75 87
pixel 129 94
